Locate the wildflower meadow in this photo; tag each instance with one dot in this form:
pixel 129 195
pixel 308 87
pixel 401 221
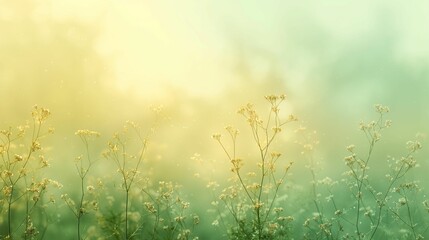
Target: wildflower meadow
pixel 214 119
pixel 115 195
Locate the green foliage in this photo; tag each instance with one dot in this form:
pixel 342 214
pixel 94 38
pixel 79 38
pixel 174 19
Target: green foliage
pixel 251 197
pixel 23 190
pixel 129 203
pixel 359 206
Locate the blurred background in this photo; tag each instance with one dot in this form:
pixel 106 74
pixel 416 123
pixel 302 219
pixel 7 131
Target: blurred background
pixel 96 64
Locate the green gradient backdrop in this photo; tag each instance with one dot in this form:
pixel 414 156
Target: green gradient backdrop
pixel 96 64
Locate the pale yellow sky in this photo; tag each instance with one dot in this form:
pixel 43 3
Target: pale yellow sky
pixel 154 45
pixel 195 46
pixel 191 44
pixel 183 42
pixel 157 46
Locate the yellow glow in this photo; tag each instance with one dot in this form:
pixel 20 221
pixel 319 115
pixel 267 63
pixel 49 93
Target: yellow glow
pixel 96 64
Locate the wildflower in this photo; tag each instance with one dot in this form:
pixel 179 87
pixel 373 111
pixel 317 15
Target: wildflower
pixel 149 206
pixel 402 201
pixel 271 98
pixel 253 186
pixel 242 110
pixel 112 147
pixel 184 234
pixel 388 123
pixel 35 145
pixel 18 158
pixel 292 118
pixel 196 219
pixel 31 230
pixel 40 114
pixel 55 183
pixel 306 222
pixel 86 133
pixel 258 205
pixel 7 191
pixel 350 160
pixel 237 163
pixel 94 205
pixel 277 129
pixel 185 205
pixel 43 161
pixel 90 188
pixel 82 210
pixel 275 155
pixel 7 173
pixel 326 228
pixel 216 136
pixel 179 218
pixel 51 130
pixel 368 212
pixel 278 209
pixel 45 113
pixel 376 136
pixel 351 148
pixel 327 181
pixel 23 172
pixel 273 226
pixel 381 109
pixel 329 198
pixel 21 131
pixel 36 197
pixel 362 126
pixel 232 131
pixel 212 184
pixel 413 146
pixel 275 109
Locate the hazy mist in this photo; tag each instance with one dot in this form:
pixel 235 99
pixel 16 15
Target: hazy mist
pixel 96 64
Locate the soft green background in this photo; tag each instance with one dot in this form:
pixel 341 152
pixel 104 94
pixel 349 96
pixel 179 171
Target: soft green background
pixel 96 64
